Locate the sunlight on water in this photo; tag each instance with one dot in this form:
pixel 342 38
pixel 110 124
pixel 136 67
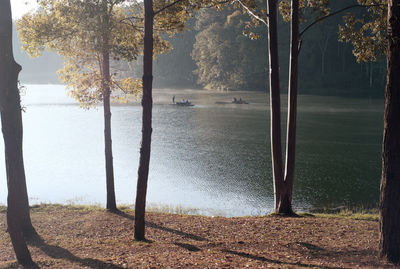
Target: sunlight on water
pixel 212 157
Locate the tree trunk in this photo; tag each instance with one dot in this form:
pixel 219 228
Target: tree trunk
pixel 275 102
pixel 147 104
pixel 14 224
pixel 18 218
pixel 389 244
pixel 323 47
pixel 371 69
pixel 111 204
pixel 106 90
pixel 285 200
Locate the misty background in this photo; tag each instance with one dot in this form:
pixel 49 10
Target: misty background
pixel 213 53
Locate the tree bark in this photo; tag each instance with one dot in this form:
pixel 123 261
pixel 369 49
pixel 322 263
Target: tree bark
pixel 14 225
pixel 147 104
pixel 106 82
pixel 111 204
pixel 18 217
pixel 285 200
pixel 275 102
pixel 389 244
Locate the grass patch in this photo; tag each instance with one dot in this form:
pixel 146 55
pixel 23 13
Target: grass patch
pixel 358 213
pixel 347 213
pixel 153 208
pixel 60 207
pixel 168 209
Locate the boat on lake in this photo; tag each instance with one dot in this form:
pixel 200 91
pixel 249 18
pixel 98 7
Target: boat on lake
pixel 183 103
pixel 239 101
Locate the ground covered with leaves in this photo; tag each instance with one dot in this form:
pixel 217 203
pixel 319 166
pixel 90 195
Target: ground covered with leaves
pixel 77 237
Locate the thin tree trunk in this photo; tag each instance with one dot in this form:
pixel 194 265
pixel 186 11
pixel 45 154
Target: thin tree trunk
pixel 343 58
pixel 111 204
pixel 285 205
pixel 147 104
pixel 106 90
pixel 371 68
pixel 275 102
pixel 18 218
pixel 323 49
pixel 389 245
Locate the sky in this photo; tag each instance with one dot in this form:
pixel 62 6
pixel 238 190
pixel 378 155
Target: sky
pixel 20 7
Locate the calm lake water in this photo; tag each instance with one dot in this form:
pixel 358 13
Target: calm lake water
pixel 211 157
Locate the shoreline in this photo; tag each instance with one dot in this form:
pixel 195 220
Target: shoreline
pixel 358 212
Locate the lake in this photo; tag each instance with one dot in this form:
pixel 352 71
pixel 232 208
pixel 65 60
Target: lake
pixel 214 158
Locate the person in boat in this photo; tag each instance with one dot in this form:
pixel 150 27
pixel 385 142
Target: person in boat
pixel 187 101
pixel 240 100
pixel 173 99
pixel 234 100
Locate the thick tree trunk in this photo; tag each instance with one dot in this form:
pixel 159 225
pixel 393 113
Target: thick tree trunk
pixel 285 201
pixel 275 101
pixel 147 104
pixel 11 119
pixel 111 204
pixel 390 185
pixel 18 218
pixel 14 225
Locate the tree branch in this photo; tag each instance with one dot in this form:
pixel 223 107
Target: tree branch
pixel 131 24
pixel 251 13
pixel 167 6
pixel 130 19
pixel 178 1
pixel 334 13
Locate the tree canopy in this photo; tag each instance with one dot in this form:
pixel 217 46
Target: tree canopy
pixel 225 58
pixel 81 31
pixel 366 30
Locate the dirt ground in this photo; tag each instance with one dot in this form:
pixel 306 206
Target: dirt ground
pixel 81 238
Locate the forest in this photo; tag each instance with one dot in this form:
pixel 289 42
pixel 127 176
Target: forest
pixel 112 51
pixel 328 65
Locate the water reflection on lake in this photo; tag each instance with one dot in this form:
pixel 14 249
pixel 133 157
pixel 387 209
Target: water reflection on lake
pixel 213 157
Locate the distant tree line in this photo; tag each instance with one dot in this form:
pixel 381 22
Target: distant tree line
pixel 213 53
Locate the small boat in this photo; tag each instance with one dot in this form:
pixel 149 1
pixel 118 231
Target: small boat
pixel 181 103
pixel 240 101
pixel 235 101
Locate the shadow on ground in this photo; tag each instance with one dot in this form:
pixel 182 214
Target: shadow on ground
pixel 311 250
pixel 159 227
pixel 57 252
